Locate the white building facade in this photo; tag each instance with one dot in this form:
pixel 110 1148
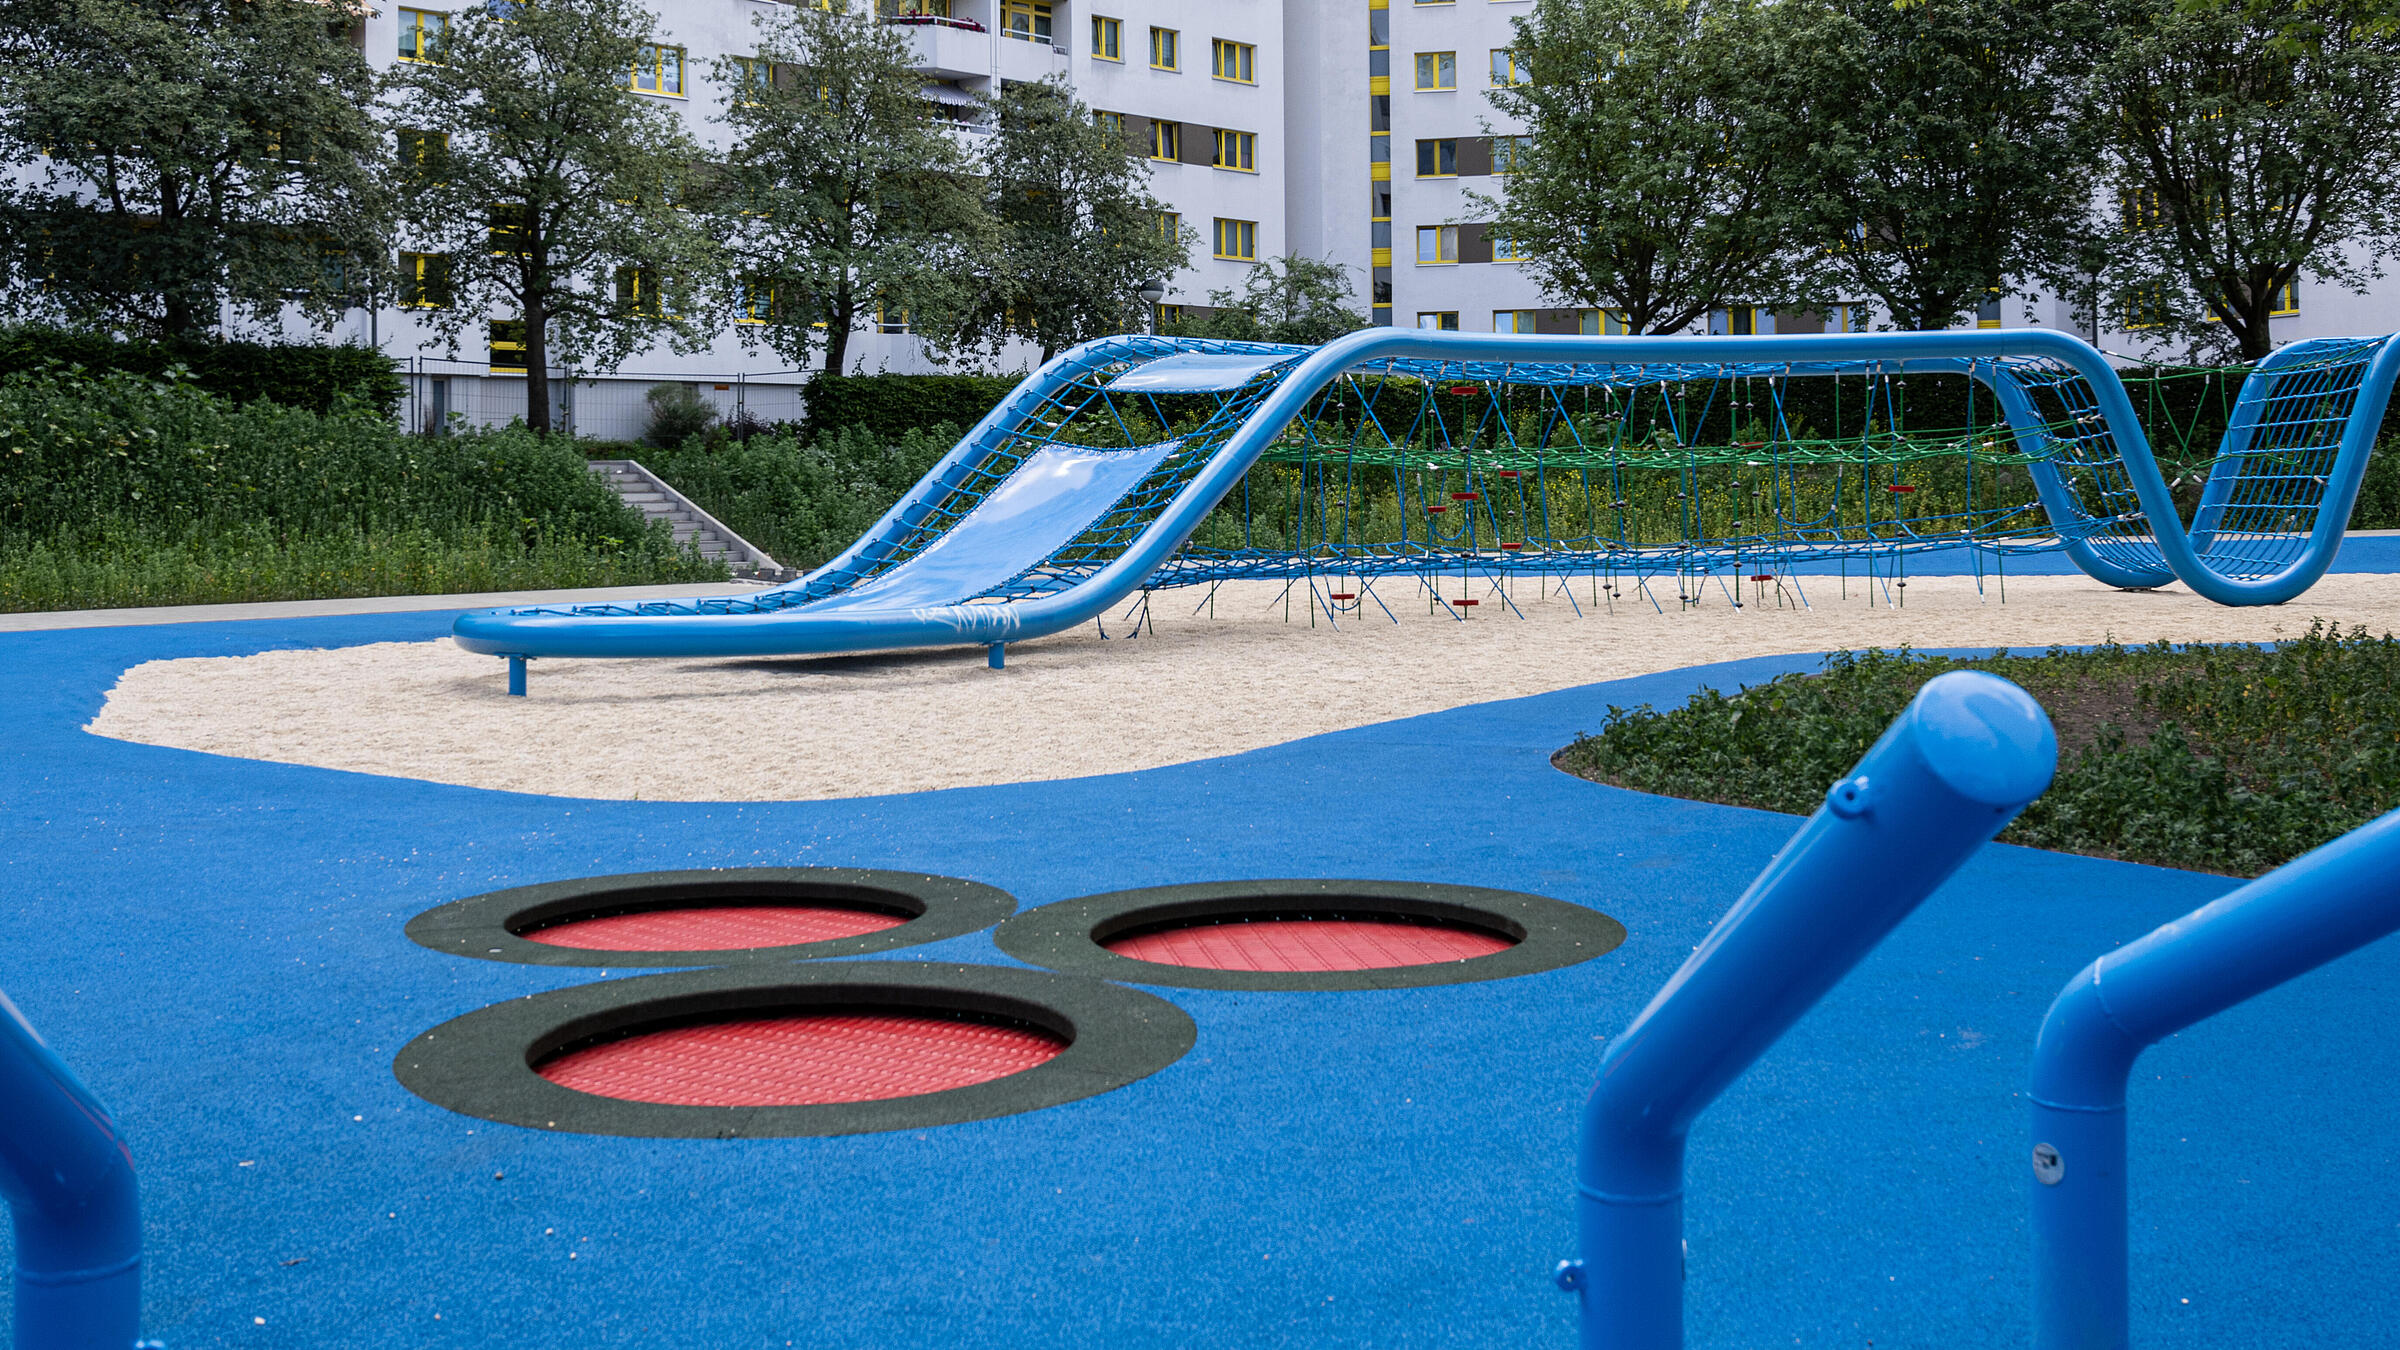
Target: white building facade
pixel 1347 130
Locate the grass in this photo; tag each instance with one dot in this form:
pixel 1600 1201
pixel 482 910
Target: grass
pixel 2221 759
pixel 119 490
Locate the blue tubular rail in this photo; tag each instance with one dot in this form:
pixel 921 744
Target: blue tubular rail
pixel 1948 774
pixel 2318 906
pixel 69 1184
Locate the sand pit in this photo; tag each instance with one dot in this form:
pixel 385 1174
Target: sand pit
pixel 1197 686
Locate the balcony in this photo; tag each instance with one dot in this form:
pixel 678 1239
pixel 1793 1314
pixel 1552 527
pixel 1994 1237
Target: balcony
pixel 947 49
pixel 1030 59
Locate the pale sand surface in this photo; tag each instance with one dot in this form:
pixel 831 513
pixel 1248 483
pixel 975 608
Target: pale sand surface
pixel 1198 686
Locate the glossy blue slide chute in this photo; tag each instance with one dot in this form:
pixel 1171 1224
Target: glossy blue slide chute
pixel 1053 507
pixel 69 1183
pixel 2317 907
pixel 1957 765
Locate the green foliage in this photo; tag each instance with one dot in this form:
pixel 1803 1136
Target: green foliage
pixel 677 413
pixel 1078 228
pixel 889 406
pixel 2250 142
pixel 319 379
pixel 2226 759
pixel 173 156
pixel 118 490
pixel 1942 150
pixel 841 190
pixel 1287 299
pixel 803 503
pixel 557 193
pixel 1652 184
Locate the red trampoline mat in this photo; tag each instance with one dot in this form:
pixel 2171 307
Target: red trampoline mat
pixel 1297 945
pixel 712 928
pixel 802 1060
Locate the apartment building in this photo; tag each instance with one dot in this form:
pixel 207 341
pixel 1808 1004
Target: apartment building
pixel 1357 131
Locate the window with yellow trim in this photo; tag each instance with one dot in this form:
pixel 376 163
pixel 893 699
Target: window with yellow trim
pixel 1507 70
pixel 2138 210
pixel 758 78
pixel 1437 70
pixel 1237 239
pixel 1506 249
pixel 505 352
pixel 1508 153
pixel 1025 20
pixel 1236 150
pixel 1166 316
pixel 2286 301
pixel 1108 39
pixel 640 291
pixel 1164 52
pixel 658 69
pixel 1111 122
pixel 1166 140
pixel 424 281
pixel 422 154
pixel 1236 61
pixel 421 34
pixel 1170 225
pixel 1442 320
pixel 906 9
pixel 1437 159
pixel 2145 309
pixel 757 302
pixel 890 320
pixel 1512 320
pixel 511 229
pixel 1437 244
pixel 1601 323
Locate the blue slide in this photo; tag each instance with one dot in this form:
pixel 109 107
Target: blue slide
pixel 1089 478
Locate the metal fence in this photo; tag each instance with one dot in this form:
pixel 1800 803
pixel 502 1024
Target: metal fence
pixel 443 394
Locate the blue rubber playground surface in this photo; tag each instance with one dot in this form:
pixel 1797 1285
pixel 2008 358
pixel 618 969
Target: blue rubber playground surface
pixel 216 946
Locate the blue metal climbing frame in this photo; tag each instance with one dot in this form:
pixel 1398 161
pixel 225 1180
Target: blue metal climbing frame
pixel 1121 465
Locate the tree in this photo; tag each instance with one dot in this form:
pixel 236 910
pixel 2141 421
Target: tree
pixel 550 191
pixel 1941 149
pixel 180 156
pixel 1289 299
pixel 2250 141
pixel 843 195
pixel 1648 185
pixel 1079 231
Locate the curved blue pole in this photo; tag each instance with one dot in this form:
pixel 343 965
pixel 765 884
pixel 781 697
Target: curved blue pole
pixel 70 1189
pixel 1968 753
pixel 2301 915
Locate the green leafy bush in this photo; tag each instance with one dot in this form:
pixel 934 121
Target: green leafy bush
pixel 803 503
pixel 890 405
pixel 318 378
pixel 2226 759
pixel 677 413
pixel 116 490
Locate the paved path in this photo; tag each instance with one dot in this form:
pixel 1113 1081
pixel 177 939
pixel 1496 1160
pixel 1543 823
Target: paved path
pixel 367 604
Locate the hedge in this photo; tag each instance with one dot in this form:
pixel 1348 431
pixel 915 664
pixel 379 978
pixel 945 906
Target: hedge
pixel 313 377
pixel 889 406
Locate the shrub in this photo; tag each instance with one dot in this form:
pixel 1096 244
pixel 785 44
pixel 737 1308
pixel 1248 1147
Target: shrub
pixel 677 414
pixel 889 406
pixel 318 378
pixel 803 502
pixel 2228 759
pixel 121 490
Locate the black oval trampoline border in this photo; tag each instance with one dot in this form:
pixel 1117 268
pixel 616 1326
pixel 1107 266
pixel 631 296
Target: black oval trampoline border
pixel 481 1064
pixel 484 927
pixel 1549 933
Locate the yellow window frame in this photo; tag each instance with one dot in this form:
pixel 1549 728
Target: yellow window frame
pixel 1108 38
pixel 1236 150
pixel 415 43
pixel 660 70
pixel 1166 140
pixel 1504 63
pixel 1440 68
pixel 1444 245
pixel 1236 240
pixel 1233 61
pixel 1166 49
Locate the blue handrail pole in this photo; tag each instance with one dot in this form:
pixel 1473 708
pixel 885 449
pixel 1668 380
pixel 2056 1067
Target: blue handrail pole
pixel 70 1189
pixel 1964 758
pixel 2303 914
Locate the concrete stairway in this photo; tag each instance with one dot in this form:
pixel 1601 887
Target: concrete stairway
pixel 649 494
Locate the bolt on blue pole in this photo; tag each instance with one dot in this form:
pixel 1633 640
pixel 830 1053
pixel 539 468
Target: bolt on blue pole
pixel 2303 914
pixel 1964 758
pixel 70 1189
